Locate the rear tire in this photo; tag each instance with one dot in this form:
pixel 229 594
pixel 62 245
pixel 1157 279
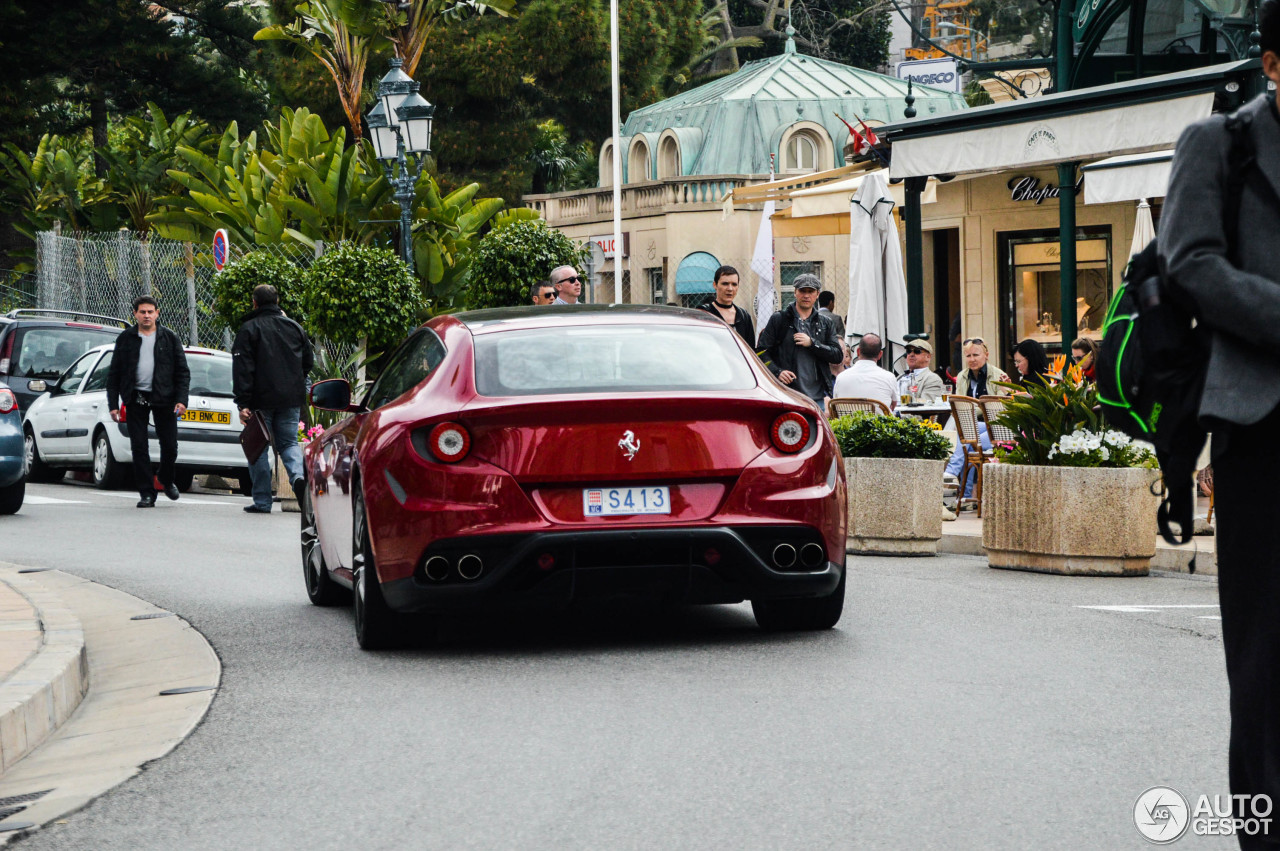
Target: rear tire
pixel 805 614
pixel 108 473
pixel 321 589
pixel 38 471
pixel 11 497
pixel 377 626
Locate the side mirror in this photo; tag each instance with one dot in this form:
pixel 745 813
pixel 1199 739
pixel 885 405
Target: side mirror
pixel 332 394
pixel 37 385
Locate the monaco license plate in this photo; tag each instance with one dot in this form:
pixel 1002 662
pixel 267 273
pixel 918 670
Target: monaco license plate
pixel 207 417
pixel 605 502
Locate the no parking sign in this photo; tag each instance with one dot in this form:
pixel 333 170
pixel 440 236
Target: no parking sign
pixel 220 247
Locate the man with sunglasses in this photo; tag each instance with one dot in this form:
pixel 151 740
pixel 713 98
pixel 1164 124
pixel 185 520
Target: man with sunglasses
pixel 799 344
pixel 920 382
pixel 979 376
pixel 568 284
pixel 543 293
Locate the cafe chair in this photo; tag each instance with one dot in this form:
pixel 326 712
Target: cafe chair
pixel 966 411
pixel 992 408
pixel 853 405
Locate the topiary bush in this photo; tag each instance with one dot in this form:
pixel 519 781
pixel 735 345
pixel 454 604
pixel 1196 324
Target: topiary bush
pixel 357 291
pixel 512 258
pixel 866 435
pixel 233 286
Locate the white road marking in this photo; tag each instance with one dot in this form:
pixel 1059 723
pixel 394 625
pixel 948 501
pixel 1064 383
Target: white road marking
pixel 1209 617
pixel 31 499
pixel 1145 608
pixel 186 499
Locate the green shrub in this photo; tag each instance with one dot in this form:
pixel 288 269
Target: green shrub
pixel 357 291
pixel 865 435
pixel 512 258
pixel 233 286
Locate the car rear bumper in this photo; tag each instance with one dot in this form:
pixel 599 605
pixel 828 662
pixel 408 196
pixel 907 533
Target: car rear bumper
pixel 198 448
pixel 709 564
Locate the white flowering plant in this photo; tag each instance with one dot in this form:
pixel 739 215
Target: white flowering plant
pixel 1084 448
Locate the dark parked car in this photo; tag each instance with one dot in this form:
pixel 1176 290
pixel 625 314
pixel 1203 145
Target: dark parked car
pixel 13 484
pixel 39 345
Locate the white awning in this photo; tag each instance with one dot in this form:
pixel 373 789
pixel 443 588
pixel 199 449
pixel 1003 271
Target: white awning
pixel 833 198
pixel 1127 178
pixel 1086 136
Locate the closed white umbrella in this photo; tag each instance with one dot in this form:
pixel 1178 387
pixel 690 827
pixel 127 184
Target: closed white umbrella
pixel 1144 230
pixel 877 285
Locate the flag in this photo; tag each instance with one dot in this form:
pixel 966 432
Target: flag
pixel 869 135
pixel 860 144
pixel 762 265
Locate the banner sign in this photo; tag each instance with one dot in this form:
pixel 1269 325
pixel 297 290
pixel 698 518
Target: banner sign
pixel 606 245
pixel 936 73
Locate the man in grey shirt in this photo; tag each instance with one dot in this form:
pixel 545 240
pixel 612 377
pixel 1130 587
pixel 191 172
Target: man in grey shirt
pixel 798 344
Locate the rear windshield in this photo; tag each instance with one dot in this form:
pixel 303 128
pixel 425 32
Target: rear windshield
pixel 210 375
pixel 610 358
pixel 47 352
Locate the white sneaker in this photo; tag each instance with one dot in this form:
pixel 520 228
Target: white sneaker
pixel 948 514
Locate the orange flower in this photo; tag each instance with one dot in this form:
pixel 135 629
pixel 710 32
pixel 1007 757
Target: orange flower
pixel 1059 363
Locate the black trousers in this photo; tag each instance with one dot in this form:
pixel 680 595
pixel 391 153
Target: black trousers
pixel 166 423
pixel 1244 478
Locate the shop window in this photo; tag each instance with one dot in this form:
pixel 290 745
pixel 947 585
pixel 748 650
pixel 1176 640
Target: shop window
pixel 1032 300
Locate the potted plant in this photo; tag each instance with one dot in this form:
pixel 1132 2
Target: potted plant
pixel 1068 495
pixel 894 468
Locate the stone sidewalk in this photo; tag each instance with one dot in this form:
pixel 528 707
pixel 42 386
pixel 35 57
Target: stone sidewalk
pixel 963 536
pixel 94 683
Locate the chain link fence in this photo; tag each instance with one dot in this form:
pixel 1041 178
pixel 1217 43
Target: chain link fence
pixel 18 290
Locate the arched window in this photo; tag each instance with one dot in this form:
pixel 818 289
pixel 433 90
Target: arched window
pixel 802 153
pixel 668 157
pixel 606 163
pixel 638 167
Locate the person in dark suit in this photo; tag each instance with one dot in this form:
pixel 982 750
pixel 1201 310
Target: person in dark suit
pixel 725 281
pixel 1237 297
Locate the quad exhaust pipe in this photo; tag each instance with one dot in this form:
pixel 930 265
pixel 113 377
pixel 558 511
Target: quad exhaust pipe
pixel 784 556
pixel 812 555
pixel 436 568
pixel 470 566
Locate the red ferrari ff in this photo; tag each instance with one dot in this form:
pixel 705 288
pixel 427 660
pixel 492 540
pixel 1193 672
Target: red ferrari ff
pixel 554 454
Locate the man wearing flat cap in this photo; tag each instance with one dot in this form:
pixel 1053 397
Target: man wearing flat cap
pixel 799 344
pixel 922 383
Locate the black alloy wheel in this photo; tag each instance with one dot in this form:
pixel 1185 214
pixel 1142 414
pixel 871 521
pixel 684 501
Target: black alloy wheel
pixel 38 471
pixel 377 626
pixel 811 613
pixel 321 589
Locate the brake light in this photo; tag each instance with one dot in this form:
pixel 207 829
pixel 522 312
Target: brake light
pixel 6 352
pixel 449 442
pixel 8 401
pixel 121 413
pixel 790 432
pixel 82 325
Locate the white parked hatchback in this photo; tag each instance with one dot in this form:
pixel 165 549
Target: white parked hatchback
pixel 69 426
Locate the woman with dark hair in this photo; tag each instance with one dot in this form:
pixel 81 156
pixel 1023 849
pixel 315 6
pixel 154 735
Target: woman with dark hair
pixel 1030 362
pixel 1084 354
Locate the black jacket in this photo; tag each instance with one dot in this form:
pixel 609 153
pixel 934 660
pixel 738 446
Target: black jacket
pixel 780 352
pixel 169 382
pixel 272 357
pixel 741 321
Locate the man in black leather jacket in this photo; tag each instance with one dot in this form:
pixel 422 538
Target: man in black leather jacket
pixel 271 359
pixel 149 378
pixel 799 344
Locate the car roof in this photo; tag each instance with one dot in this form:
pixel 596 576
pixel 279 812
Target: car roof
pixel 191 350
pixel 565 315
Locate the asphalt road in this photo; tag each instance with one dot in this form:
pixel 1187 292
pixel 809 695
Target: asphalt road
pixel 954 706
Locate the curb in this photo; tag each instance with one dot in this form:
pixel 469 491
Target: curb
pixel 1167 559
pixel 43 692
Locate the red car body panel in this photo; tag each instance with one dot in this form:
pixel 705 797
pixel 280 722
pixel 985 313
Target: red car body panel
pixel 532 456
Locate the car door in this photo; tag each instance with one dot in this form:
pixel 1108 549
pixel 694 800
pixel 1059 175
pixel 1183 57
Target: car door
pixel 84 409
pixel 51 429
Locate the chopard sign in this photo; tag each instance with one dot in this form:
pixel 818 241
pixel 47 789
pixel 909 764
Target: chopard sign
pixel 1030 189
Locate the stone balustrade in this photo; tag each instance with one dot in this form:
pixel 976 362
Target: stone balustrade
pixel 674 194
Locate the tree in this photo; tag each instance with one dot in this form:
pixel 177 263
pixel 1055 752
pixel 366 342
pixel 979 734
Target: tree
pixel 853 32
pixel 512 258
pixel 233 286
pixel 357 293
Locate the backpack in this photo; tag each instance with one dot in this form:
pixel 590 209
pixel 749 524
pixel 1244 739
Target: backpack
pixel 1151 364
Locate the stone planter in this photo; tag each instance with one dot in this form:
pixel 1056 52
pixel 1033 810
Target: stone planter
pixel 1069 520
pixel 895 505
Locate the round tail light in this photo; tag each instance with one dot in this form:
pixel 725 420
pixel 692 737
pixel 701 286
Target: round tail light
pixel 7 400
pixel 449 442
pixel 790 432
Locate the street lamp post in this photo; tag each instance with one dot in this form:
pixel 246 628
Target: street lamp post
pixel 400 124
